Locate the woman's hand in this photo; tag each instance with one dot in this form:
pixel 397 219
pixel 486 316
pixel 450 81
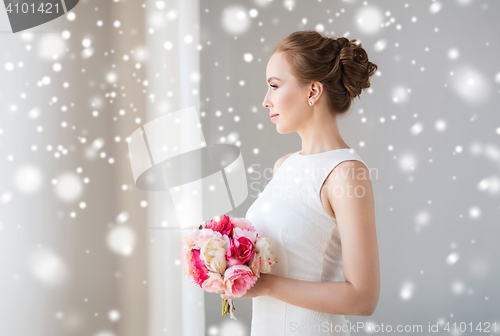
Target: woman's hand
pixel 260 288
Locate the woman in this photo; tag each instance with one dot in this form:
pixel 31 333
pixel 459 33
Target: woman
pixel 318 209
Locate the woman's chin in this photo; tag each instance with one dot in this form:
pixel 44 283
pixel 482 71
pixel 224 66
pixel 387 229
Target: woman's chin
pixel 282 130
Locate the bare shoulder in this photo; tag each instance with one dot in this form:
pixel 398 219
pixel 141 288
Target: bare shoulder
pixel 279 162
pixel 348 183
pixel 348 171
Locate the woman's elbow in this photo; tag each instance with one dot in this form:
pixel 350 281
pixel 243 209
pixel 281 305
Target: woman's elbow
pixel 369 307
pixel 368 311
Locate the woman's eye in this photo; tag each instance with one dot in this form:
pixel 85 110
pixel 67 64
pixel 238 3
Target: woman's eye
pixel 274 86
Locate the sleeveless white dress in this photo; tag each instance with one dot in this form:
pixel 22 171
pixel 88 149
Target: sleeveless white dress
pixel 305 239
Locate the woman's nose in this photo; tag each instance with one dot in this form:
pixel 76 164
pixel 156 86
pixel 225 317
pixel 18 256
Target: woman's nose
pixel 266 103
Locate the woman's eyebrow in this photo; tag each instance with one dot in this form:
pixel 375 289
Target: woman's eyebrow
pixel 269 79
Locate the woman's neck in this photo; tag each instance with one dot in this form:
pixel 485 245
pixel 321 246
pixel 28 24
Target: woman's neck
pixel 320 135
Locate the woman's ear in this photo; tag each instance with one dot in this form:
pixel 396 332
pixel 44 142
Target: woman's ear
pixel 315 90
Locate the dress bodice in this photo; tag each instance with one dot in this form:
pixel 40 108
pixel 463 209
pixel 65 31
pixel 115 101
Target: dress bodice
pixel 304 237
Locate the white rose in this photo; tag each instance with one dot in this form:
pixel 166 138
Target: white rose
pixel 213 254
pixel 268 258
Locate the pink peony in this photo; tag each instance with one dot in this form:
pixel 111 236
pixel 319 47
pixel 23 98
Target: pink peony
pixel 240 222
pixel 200 237
pixel 221 224
pixel 255 265
pixel 186 257
pixel 241 251
pixel 199 270
pixel 214 283
pixel 238 279
pixel 245 231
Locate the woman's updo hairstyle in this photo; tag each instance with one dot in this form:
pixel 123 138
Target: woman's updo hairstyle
pixel 340 64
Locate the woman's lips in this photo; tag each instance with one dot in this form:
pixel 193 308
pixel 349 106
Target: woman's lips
pixel 274 117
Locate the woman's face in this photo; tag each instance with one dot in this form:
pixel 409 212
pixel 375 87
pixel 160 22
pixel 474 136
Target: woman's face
pixel 284 96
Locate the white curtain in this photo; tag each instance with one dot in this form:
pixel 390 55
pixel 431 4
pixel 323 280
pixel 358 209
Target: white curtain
pixel 176 305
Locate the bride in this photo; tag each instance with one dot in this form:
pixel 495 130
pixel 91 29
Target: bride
pixel 324 235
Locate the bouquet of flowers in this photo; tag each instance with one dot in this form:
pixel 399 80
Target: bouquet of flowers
pixel 226 255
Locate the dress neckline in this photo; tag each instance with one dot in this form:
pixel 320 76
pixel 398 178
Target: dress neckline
pixel 330 151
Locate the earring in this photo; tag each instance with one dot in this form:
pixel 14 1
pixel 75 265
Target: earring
pixel 310 103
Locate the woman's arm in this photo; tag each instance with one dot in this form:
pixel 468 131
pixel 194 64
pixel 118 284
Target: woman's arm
pixel 329 297
pixel 350 195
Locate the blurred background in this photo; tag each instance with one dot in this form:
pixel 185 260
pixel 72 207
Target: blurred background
pixel 83 251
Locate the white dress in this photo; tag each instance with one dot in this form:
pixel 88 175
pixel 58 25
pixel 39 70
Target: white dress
pixel 305 239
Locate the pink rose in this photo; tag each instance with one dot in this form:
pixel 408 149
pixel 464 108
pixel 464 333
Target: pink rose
pixel 221 224
pixel 238 279
pixel 199 270
pixel 241 251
